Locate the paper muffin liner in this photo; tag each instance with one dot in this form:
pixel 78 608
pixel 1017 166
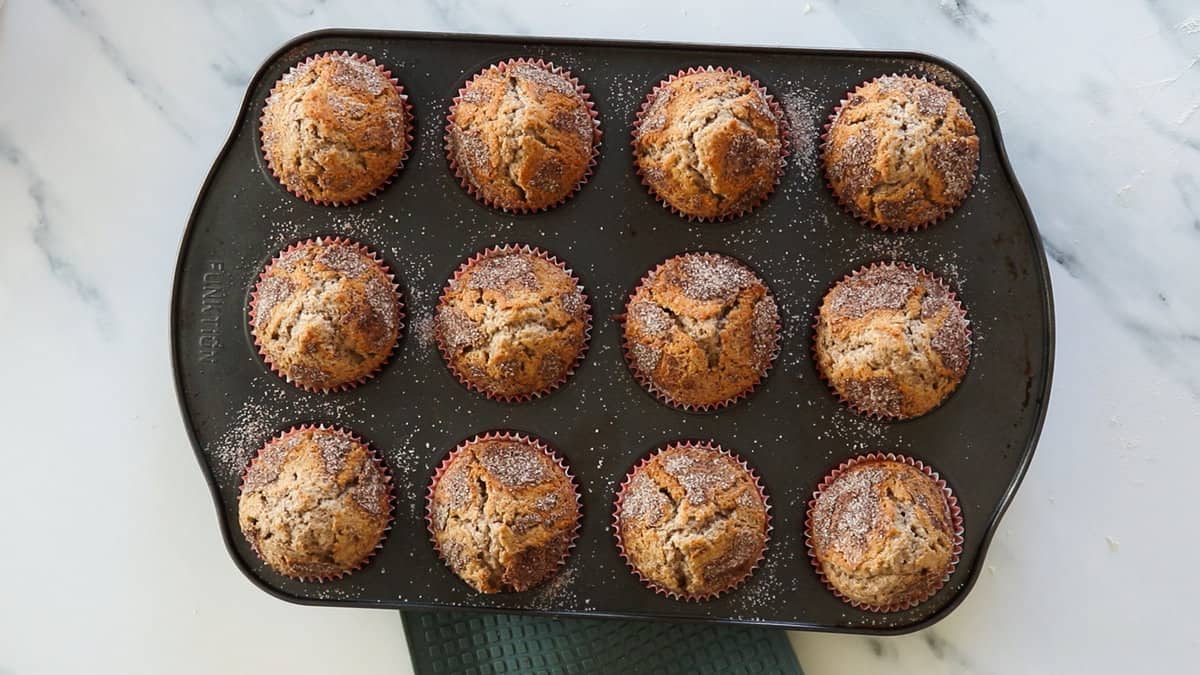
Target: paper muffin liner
pixel 816 321
pixel 776 110
pixel 376 459
pixel 408 128
pixel 464 178
pixel 504 249
pixel 318 241
pixel 951 503
pixel 620 499
pixel 851 208
pixel 648 384
pixel 514 437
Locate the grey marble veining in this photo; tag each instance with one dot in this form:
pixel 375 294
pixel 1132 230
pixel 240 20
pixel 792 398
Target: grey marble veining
pixel 111 113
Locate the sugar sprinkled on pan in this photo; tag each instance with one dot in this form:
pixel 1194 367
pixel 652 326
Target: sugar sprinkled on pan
pixel 794 242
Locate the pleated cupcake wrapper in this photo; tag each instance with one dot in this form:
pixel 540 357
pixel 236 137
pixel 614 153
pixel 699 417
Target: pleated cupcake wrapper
pixel 776 110
pixel 851 208
pixel 512 437
pixel 462 175
pixel 951 503
pixel 319 241
pixel 620 499
pixel 507 249
pixel 816 322
pixel 408 128
pixel 376 459
pixel 648 383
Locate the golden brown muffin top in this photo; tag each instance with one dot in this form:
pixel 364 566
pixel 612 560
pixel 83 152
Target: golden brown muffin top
pixel 883 533
pixel 314 504
pixel 335 129
pixel 512 323
pixel 701 330
pixel 325 314
pixel 709 144
pixel 692 520
pixel 522 136
pixel 892 341
pixel 503 514
pixel 901 152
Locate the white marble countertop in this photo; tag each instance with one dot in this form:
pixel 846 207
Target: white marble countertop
pixel 111 113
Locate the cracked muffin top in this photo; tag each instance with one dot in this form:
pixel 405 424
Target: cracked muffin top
pixel 892 341
pixel 882 534
pixel 709 144
pixel 521 136
pixel 512 323
pixel 701 330
pixel 325 315
pixel 335 129
pixel 314 504
pixel 692 520
pixel 901 152
pixel 503 513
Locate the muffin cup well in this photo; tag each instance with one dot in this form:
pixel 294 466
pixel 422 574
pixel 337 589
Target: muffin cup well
pixel 776 110
pixel 870 414
pixel 375 458
pixel 620 498
pixel 664 397
pixel 465 180
pixel 951 503
pixel 502 250
pixel 408 127
pixel 851 208
pixel 383 266
pixel 514 437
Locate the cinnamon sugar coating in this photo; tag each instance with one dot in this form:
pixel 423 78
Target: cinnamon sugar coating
pixel 901 152
pixel 692 520
pixel 883 534
pixel 503 514
pixel 701 330
pixel 710 144
pixel 335 129
pixel 892 341
pixel 314 504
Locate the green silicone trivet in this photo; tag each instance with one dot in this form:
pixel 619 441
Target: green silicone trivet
pixel 471 643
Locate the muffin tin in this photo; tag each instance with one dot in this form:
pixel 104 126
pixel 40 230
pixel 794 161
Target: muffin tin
pixel 791 429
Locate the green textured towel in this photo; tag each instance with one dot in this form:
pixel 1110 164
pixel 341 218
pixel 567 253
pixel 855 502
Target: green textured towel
pixel 443 642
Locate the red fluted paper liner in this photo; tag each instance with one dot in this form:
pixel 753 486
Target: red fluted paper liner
pixel 461 174
pixel 951 504
pixel 851 208
pixel 776 110
pixel 645 380
pixel 512 437
pixel 376 459
pixel 620 498
pixel 408 127
pixel 508 249
pixel 923 273
pixel 325 241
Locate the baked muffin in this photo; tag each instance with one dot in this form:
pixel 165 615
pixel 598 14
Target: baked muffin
pixel 503 512
pixel 701 331
pixel 709 143
pixel 892 341
pixel 692 521
pixel 883 533
pixel 512 323
pixel 901 152
pixel 522 136
pixel 336 128
pixel 325 314
pixel 315 503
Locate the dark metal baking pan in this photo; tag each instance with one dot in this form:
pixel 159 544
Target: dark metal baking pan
pixel 791 430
